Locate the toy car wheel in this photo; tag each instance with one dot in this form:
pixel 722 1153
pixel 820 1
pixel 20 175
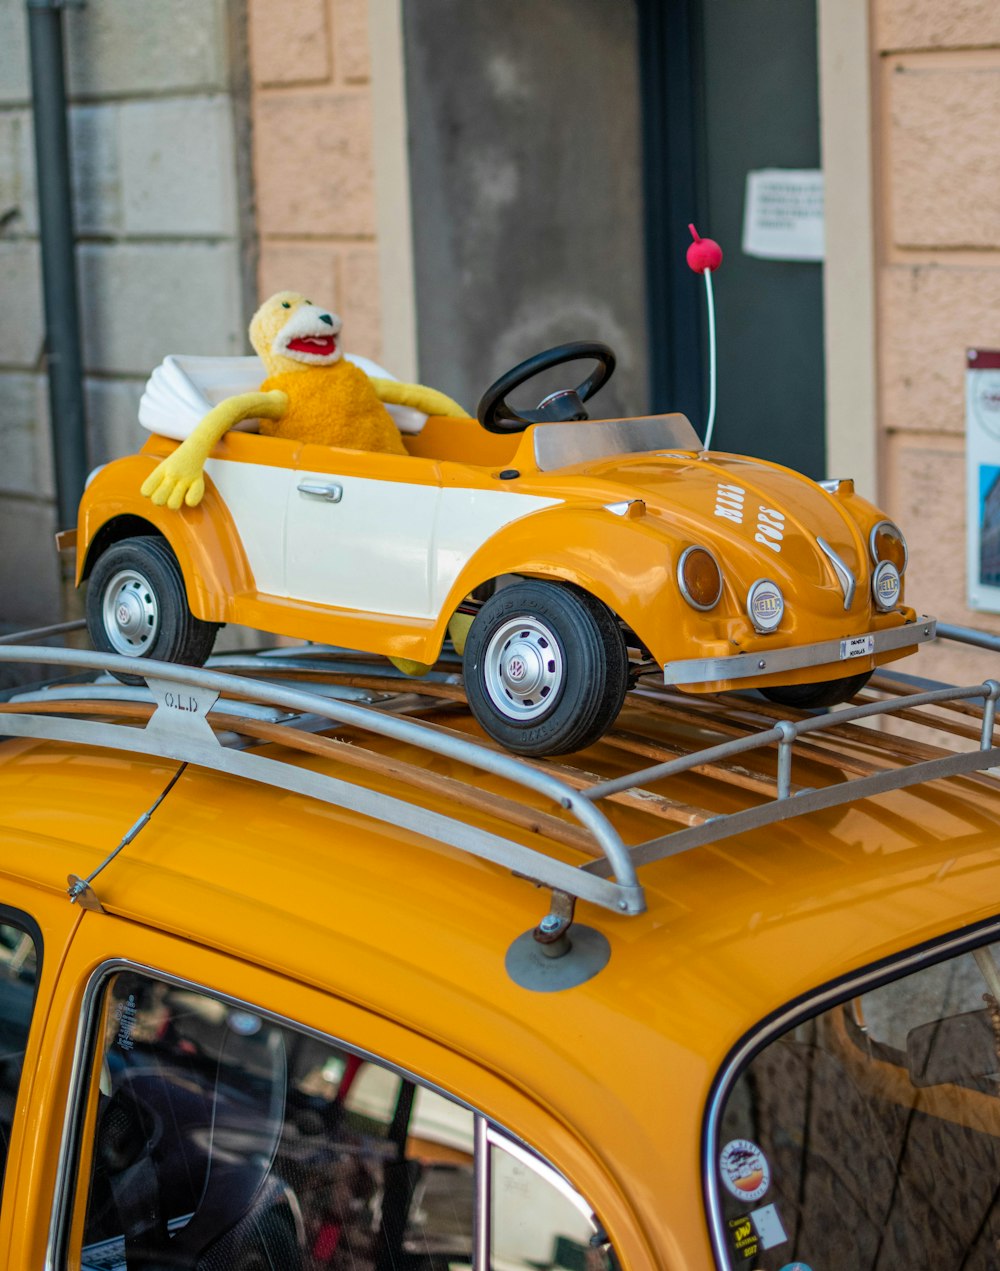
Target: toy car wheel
pixel 137 606
pixel 546 668
pixel 825 693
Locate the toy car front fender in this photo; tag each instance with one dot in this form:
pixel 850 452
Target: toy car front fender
pixel 626 561
pixel 203 539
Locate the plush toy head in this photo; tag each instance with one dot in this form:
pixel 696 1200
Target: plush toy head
pixel 289 333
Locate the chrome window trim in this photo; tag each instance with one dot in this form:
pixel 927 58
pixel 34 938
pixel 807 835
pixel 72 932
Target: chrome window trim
pixel 486 1132
pixel 540 1167
pixel 895 967
pixel 483 1216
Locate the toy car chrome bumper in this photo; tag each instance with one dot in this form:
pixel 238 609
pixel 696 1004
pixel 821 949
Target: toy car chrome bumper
pixel 741 666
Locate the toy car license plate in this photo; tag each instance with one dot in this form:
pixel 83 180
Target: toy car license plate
pixel 857 646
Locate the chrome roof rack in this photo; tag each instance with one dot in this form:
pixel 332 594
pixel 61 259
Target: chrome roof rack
pixel 218 720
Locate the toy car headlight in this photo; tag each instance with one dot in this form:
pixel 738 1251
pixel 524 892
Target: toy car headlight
pixel 887 543
pixel 765 605
pixel 699 578
pixel 886 585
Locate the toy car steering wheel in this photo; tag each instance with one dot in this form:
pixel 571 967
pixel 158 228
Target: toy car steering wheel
pixel 496 416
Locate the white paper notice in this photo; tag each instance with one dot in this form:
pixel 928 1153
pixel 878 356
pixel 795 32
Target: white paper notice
pixel 783 214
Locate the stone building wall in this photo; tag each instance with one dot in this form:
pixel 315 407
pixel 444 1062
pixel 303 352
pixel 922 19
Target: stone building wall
pixel 937 82
pixel 165 255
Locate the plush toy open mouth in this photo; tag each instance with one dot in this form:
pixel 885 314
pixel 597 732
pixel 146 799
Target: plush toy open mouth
pixel 320 345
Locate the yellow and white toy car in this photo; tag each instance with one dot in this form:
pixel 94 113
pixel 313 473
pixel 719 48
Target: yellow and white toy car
pixel 602 546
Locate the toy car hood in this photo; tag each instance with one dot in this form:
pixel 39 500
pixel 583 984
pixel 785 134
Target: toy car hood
pixel 755 517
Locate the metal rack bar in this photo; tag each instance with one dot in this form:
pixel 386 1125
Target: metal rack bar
pixel 43 633
pixel 185 699
pixel 178 729
pixel 969 635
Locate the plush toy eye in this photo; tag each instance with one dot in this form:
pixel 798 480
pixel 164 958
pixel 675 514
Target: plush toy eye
pixel 308 302
pixel 285 304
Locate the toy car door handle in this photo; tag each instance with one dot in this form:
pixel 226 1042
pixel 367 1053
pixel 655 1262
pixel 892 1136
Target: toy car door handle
pixel 330 491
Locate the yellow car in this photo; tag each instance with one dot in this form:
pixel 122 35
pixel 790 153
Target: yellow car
pixel 279 992
pixel 582 551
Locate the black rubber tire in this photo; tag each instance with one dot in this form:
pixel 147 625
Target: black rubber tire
pixel 587 691
pixel 811 696
pixel 169 631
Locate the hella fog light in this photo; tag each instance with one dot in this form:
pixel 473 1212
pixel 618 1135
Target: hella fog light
pixel 699 578
pixel 885 585
pixel 887 543
pixel 765 605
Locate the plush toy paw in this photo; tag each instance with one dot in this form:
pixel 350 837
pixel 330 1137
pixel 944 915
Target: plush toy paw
pixel 172 484
pixel 178 479
pixel 407 666
pixel 427 400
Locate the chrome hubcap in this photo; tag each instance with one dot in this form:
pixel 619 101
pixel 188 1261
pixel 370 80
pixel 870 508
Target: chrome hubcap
pixel 131 613
pixel 523 668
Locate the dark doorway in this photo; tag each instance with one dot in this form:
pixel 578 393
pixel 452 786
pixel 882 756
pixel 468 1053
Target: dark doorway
pixel 524 145
pixel 730 87
pixel 558 152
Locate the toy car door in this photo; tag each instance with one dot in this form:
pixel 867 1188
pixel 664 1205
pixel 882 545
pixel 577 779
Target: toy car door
pixel 359 530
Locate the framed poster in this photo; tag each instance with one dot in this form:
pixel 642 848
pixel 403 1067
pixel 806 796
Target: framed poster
pixel 982 497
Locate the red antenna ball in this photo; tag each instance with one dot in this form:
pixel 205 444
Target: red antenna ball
pixel 703 254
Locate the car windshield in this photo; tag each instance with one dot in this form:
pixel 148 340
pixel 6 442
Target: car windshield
pixel 869 1136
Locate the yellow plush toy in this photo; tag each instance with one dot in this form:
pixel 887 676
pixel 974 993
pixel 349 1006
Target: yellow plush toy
pixel 311 394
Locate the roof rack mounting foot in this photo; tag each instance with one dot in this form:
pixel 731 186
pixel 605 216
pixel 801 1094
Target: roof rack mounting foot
pixel 549 959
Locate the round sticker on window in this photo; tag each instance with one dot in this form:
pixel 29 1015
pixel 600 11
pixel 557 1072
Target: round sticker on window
pixel 744 1169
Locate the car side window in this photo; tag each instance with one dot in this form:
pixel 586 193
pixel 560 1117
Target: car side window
pixel 869 1134
pixel 20 957
pixel 221 1138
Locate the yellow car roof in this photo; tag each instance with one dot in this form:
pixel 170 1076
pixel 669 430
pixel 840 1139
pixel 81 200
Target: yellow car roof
pixel 419 930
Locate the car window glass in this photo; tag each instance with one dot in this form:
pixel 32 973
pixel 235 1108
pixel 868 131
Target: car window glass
pixel 869 1136
pixel 538 1220
pixel 18 979
pixel 222 1139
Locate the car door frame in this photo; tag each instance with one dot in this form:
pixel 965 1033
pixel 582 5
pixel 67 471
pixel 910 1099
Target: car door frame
pixel 42 1088
pixel 50 1202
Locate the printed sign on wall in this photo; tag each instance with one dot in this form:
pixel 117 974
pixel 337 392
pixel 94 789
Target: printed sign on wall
pixel 783 214
pixel 982 498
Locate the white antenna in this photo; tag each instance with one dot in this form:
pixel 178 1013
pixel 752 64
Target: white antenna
pixel 704 256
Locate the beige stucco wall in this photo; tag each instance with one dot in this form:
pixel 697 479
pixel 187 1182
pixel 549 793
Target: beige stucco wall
pixel 311 110
pixel 937 91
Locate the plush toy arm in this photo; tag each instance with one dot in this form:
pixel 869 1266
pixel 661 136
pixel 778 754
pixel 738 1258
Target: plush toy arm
pixel 178 479
pixel 428 400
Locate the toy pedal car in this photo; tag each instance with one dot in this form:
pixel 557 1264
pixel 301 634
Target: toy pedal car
pixel 603 547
